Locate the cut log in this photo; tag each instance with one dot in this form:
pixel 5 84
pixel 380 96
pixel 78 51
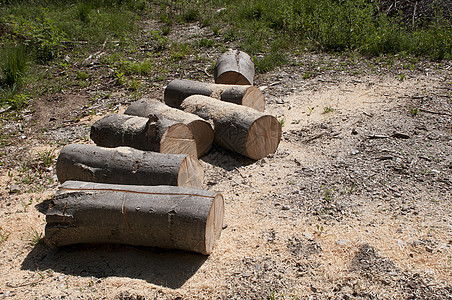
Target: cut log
pixel 202 131
pixel 152 134
pixel 159 216
pixel 246 95
pixel 234 67
pixel 237 128
pixel 125 165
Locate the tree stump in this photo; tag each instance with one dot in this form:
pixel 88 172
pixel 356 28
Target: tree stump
pixel 125 165
pixel 202 131
pixel 151 134
pixel 158 216
pixel 246 95
pixel 237 128
pixel 234 67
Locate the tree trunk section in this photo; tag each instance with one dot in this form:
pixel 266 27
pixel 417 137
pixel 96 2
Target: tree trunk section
pixel 159 216
pixel 246 95
pixel 151 134
pixel 237 128
pixel 234 67
pixel 202 131
pixel 125 165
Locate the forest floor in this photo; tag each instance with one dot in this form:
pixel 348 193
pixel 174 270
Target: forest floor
pixel 356 203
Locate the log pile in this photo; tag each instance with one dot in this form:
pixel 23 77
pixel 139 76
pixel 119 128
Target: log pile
pixel 140 184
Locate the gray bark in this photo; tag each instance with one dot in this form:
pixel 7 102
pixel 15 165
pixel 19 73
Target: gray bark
pixel 160 216
pixel 125 165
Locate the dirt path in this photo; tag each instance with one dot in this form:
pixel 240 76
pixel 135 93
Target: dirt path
pixel 355 204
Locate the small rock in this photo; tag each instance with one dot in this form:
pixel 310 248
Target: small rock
pixel 342 242
pixel 285 207
pixel 428 249
pixel 401 244
pixel 354 152
pixel 354 132
pixel 308 235
pixel 14 189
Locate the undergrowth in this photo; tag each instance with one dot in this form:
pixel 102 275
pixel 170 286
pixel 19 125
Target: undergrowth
pixel 35 34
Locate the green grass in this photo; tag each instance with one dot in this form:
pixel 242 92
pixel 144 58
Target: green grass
pixel 37 35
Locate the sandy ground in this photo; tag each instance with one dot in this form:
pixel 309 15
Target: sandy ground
pixel 354 204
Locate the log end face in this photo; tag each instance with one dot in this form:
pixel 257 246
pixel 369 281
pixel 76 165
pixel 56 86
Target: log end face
pixel 214 224
pixel 203 135
pixel 191 173
pixel 254 98
pixel 178 139
pixel 232 77
pixel 263 137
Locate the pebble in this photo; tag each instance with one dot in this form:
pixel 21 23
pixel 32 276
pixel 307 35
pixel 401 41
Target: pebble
pixel 342 242
pixel 308 235
pixel 14 189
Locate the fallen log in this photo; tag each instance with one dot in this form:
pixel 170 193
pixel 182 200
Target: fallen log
pixel 151 134
pixel 125 165
pixel 237 128
pixel 234 67
pixel 152 216
pixel 246 95
pixel 202 131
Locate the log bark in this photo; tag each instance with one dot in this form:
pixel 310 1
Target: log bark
pixel 125 165
pixel 151 134
pixel 234 67
pixel 237 128
pixel 202 131
pixel 246 95
pixel 158 216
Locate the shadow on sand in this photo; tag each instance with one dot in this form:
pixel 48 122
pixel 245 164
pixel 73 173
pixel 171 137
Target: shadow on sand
pixel 161 267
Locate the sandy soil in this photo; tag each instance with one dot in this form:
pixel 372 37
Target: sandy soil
pixel 355 203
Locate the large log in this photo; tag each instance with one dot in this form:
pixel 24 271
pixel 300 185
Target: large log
pixel 202 131
pixel 246 95
pixel 237 128
pixel 152 134
pixel 234 67
pixel 125 165
pixel 158 216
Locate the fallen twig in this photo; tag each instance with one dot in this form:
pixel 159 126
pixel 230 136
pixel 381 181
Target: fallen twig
pixel 377 136
pixel 435 112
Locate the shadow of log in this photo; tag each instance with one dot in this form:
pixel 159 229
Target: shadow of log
pixel 161 267
pixel 226 159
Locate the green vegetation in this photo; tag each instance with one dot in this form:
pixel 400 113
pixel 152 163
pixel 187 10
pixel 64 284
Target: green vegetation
pixel 40 35
pixel 3 235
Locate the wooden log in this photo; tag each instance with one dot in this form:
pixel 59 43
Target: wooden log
pixel 237 128
pixel 246 95
pixel 125 165
pixel 152 134
pixel 158 216
pixel 234 67
pixel 202 130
